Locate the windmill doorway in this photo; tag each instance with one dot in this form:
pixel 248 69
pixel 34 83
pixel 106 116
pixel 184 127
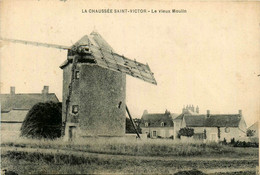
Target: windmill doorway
pixel 72 133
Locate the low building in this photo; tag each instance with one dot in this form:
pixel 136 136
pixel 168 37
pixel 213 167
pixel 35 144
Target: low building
pixel 14 108
pixel 212 127
pixel 158 125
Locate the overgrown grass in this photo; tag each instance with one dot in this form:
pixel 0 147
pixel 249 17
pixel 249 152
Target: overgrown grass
pixel 124 146
pixel 23 162
pixel 146 156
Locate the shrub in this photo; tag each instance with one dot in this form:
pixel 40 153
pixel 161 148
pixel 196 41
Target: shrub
pixel 189 172
pixel 218 132
pixel 129 128
pixel 188 132
pixel 246 144
pixel 232 141
pixel 250 133
pixel 43 121
pixel 205 134
pixel 225 141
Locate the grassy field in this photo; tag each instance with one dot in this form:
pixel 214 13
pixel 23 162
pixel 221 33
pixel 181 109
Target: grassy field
pixel 113 155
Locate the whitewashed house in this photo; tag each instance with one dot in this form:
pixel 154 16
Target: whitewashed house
pixel 212 127
pixel 158 125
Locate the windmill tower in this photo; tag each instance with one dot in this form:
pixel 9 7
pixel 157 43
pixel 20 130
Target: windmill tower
pixel 94 87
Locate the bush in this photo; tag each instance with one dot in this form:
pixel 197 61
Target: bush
pixel 205 134
pixel 43 121
pixel 246 144
pixel 189 172
pixel 232 141
pixel 250 133
pixel 188 132
pixel 224 142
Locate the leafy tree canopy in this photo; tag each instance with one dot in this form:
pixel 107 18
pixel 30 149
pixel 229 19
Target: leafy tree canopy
pixel 188 132
pixel 250 133
pixel 130 128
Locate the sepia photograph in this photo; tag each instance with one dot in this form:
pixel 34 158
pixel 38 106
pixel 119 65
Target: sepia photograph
pixel 129 87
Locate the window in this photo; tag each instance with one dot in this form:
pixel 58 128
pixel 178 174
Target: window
pixel 154 133
pixel 227 130
pixel 77 74
pixel 162 124
pixel 75 109
pixel 146 124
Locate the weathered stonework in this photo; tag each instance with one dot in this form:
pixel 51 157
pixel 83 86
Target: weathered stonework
pixel 100 95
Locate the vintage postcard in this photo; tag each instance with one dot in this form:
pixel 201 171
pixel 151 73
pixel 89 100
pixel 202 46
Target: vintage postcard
pixel 129 87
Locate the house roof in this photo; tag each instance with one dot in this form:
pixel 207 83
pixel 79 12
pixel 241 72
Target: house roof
pixel 214 120
pixel 254 126
pixel 23 101
pixel 223 120
pixel 174 115
pixel 155 120
pixel 194 121
pixel 15 115
pixel 103 55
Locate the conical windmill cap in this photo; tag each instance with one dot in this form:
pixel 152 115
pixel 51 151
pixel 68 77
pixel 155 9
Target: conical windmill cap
pixel 100 41
pixel 94 39
pixel 83 41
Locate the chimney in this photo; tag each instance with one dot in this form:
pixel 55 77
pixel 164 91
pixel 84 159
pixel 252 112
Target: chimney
pixel 192 108
pixel 145 112
pixel 240 112
pixel 12 90
pixel 45 92
pixel 183 109
pixel 208 113
pixel 197 109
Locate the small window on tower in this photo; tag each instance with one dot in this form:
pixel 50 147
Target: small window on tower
pixel 77 74
pixel 75 109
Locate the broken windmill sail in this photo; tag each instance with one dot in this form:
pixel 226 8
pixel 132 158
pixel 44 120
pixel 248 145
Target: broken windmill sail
pixel 103 55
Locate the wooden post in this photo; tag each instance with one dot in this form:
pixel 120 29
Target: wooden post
pixel 132 121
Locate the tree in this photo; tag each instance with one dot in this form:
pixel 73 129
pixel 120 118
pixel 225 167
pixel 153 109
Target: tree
pixel 250 133
pixel 188 132
pixel 43 121
pixel 205 134
pixel 218 132
pixel 129 128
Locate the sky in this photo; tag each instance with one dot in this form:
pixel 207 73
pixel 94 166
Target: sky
pixel 208 57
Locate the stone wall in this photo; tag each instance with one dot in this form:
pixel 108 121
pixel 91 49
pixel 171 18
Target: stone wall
pixel 164 132
pixel 227 133
pixel 100 95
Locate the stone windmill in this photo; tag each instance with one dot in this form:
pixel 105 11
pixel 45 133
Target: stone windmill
pixel 94 87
